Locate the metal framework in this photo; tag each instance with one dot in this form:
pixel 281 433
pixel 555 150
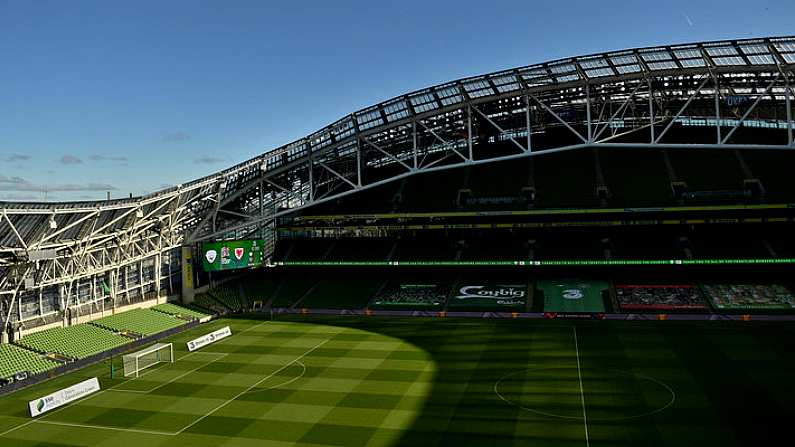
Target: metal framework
pixel 630 98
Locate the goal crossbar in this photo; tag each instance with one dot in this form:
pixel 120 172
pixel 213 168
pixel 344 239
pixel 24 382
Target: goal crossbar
pixel 138 361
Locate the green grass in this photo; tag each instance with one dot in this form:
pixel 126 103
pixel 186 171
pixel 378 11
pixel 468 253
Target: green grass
pixel 424 382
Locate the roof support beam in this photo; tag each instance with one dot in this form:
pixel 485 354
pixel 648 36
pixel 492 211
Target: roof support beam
pixel 682 109
pixel 66 228
pixel 619 111
pixel 443 141
pixel 552 112
pixel 750 109
pixel 497 126
pixel 338 175
pixel 14 230
pixel 390 156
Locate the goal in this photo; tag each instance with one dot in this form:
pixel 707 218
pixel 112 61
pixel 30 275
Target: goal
pixel 138 361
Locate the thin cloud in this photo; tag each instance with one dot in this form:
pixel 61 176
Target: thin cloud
pixel 70 160
pixel 99 157
pixel 20 197
pixel 176 137
pixel 20 184
pixel 207 160
pixel 17 157
pixel 11 180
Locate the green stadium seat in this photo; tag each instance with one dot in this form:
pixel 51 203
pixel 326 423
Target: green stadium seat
pixel 14 360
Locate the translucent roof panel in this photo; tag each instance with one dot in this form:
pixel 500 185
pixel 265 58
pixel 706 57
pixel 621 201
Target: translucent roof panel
pixel 690 63
pixel 755 49
pixel 477 88
pixel 664 65
pixel 628 69
pixel 789 57
pixel 536 76
pixel 597 62
pixel 369 118
pixel 658 55
pixel 396 110
pixel 730 60
pixel 688 53
pixel 423 102
pixel 624 59
pixel 786 45
pixel 320 139
pixel 568 78
pixel 343 128
pixel 562 68
pixel 449 95
pixel 506 83
pixel 762 59
pixel 721 51
pixel 599 72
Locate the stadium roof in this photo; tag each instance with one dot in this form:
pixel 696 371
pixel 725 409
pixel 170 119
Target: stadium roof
pixel 426 130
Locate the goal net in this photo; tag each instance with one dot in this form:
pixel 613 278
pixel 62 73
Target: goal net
pixel 138 361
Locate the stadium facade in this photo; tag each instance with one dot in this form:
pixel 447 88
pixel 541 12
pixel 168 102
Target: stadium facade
pixel 59 261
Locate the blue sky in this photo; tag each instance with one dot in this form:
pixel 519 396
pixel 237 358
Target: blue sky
pixel 135 96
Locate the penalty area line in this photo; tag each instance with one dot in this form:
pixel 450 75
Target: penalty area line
pixel 219 354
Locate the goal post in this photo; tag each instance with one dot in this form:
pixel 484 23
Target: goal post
pixel 138 361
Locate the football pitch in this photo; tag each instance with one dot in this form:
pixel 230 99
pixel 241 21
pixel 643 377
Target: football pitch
pixel 310 381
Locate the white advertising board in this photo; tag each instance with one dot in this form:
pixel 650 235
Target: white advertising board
pixel 63 397
pixel 212 337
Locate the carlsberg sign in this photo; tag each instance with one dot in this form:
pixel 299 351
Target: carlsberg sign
pixel 504 295
pixel 63 397
pixel 212 337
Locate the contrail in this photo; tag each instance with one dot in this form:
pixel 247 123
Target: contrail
pixel 687 17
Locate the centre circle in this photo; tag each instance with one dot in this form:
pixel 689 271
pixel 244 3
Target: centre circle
pixel 603 394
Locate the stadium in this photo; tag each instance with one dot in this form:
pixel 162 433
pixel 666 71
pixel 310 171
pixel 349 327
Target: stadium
pixel 595 250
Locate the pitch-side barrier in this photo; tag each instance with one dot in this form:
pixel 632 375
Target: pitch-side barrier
pixel 533 315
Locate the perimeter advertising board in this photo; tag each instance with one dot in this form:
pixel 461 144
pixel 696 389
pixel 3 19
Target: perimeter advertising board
pixel 230 255
pixel 212 337
pixel 411 296
pixel 489 295
pixel 63 397
pixel 573 296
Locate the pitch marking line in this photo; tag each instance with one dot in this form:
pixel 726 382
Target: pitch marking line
pixel 219 354
pixel 113 388
pixel 163 433
pixel 132 430
pixel 662 384
pixel 298 377
pixel 253 386
pixel 582 393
